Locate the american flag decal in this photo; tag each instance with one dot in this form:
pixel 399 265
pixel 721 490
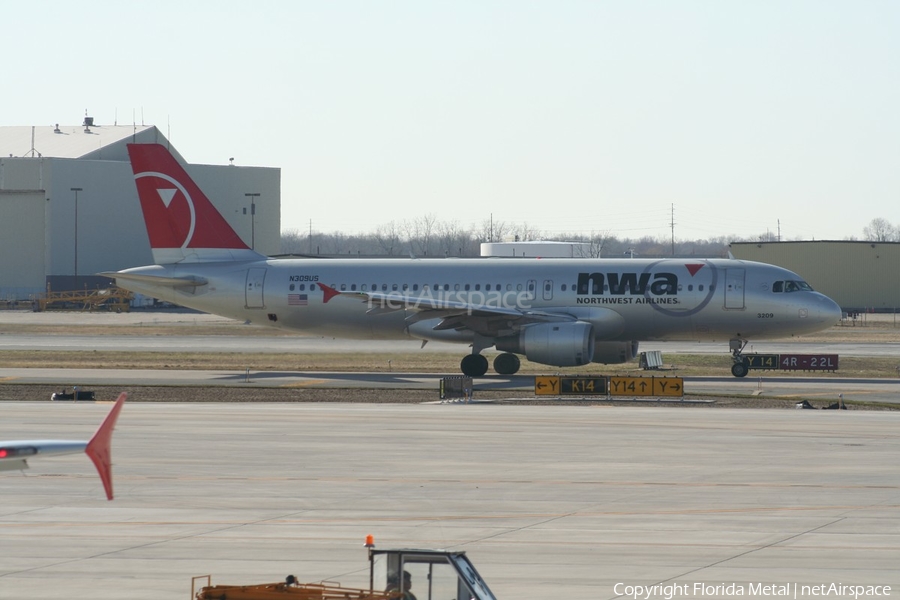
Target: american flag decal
pixel 297 300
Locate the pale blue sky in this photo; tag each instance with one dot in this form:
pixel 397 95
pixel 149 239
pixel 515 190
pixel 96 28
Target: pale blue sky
pixel 570 116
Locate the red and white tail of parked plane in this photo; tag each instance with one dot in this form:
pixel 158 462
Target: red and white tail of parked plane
pixel 560 312
pixel 182 223
pixel 14 455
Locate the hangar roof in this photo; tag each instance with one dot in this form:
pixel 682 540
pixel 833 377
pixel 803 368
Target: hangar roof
pixel 74 141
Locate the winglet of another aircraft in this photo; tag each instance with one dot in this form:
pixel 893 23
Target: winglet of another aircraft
pixel 98 448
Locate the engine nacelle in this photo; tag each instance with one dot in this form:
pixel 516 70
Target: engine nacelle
pixel 557 344
pixel 614 353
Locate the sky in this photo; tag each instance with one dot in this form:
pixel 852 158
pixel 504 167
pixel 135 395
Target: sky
pixel 607 117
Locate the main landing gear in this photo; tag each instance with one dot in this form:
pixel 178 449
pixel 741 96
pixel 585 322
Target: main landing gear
pixel 473 365
pixel 476 365
pixel 741 365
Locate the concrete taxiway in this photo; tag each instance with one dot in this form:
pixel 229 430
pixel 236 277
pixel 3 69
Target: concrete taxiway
pixel 561 502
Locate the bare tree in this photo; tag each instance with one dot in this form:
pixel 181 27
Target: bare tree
pixel 524 232
pixel 453 240
pixel 420 232
pixel 492 231
pixel 293 242
pixel 389 238
pixel 880 230
pixel 593 245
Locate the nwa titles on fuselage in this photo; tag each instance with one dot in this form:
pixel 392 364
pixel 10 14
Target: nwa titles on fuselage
pixel 560 312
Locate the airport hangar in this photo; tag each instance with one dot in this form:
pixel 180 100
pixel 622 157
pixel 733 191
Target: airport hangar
pixel 860 276
pixel 69 207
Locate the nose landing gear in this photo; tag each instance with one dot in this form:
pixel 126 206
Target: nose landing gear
pixel 741 365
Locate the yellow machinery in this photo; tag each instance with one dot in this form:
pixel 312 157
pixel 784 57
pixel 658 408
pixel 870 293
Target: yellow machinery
pixel 426 575
pixel 110 299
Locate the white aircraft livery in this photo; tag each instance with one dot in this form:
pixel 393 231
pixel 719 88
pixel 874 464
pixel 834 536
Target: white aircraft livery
pixel 14 455
pixel 560 312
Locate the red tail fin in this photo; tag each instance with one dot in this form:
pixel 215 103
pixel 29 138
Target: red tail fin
pixel 98 449
pixel 181 221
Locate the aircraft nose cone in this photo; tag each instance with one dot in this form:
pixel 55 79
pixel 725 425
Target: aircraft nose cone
pixel 828 311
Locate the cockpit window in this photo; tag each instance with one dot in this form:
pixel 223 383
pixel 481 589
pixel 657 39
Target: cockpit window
pixel 791 285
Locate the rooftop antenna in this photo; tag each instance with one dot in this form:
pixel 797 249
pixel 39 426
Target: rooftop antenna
pixel 116 118
pixel 88 121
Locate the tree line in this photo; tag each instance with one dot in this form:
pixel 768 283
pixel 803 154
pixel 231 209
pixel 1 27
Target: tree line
pixel 426 236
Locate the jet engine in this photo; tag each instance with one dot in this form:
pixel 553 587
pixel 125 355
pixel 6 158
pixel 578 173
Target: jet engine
pixel 558 344
pixel 613 353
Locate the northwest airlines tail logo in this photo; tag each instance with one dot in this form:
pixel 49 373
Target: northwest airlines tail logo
pixel 176 211
pixel 174 208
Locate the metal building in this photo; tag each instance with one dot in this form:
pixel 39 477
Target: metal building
pixel 859 276
pixel 69 206
pixel 536 249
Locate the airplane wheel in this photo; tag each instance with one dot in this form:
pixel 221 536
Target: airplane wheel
pixel 474 365
pixel 507 364
pixel 740 369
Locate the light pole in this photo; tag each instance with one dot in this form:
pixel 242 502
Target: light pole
pixel 253 196
pixel 76 190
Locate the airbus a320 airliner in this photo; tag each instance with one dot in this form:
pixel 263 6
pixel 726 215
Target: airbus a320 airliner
pixel 560 312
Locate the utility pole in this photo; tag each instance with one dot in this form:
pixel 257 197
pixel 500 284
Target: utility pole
pixel 76 190
pixel 253 196
pixel 672 224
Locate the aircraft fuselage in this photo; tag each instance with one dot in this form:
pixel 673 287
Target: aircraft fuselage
pixel 625 299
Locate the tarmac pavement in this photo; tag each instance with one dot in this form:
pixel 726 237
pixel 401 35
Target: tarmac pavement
pixel 548 501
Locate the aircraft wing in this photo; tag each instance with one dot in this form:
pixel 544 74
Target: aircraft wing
pixel 14 454
pixel 485 319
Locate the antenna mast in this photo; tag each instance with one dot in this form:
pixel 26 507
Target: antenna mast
pixel 672 225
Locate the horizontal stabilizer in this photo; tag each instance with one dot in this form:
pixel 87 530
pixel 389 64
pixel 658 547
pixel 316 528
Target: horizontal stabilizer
pixel 175 282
